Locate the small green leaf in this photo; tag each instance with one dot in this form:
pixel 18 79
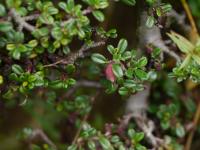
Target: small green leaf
pixel 122 45
pixel 105 143
pixel 150 2
pixel 115 139
pixel 140 147
pixel 32 43
pixel 166 8
pixel 129 2
pixel 141 74
pixel 158 11
pixel 16 54
pixel 5 26
pixel 129 83
pixel 56 32
pixel 46 19
pixel 142 62
pixel 180 131
pixel 17 69
pixel 98 58
pixel 156 52
pixel 21 48
pixel 152 75
pixel 70 4
pixel 44 31
pixel 131 133
pixel 62 5
pixel 52 10
pixel 56 84
pixel 98 15
pixel 126 55
pixel 72 147
pixel 150 21
pixel 117 70
pixel 1 79
pixel 112 33
pixel 10 47
pixel 138 137
pixel 2 10
pixel 111 49
pixel 123 91
pixel 91 145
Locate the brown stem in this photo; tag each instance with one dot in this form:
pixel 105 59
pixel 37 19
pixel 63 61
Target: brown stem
pixel 191 134
pixel 20 21
pixel 191 19
pixel 87 11
pixel 31 17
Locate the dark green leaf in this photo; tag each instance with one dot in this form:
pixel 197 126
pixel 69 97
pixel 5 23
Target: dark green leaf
pixel 117 70
pixel 180 131
pixel 129 2
pixel 105 143
pixel 98 58
pixel 98 15
pixel 111 49
pixel 5 26
pixel 2 10
pixel 150 21
pixel 141 74
pixel 122 45
pixel 17 69
pixel 123 91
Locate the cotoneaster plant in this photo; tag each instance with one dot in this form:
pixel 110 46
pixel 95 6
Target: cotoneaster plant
pixel 56 58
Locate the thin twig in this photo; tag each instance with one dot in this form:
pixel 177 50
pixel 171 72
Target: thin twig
pixel 148 126
pixel 70 18
pixel 171 53
pixel 31 17
pixel 39 133
pixel 191 134
pixel 20 21
pixel 87 11
pixel 74 56
pixel 190 17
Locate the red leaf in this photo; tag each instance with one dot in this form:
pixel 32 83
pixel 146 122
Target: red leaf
pixel 109 72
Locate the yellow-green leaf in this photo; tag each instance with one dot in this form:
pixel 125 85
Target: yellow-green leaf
pixel 183 44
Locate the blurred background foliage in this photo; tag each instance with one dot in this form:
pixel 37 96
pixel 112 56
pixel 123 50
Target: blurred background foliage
pixel 195 6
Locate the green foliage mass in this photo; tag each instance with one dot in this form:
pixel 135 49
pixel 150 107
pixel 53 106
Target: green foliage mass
pixel 45 68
